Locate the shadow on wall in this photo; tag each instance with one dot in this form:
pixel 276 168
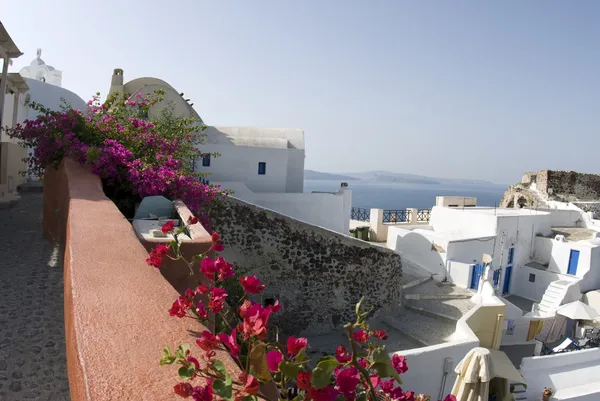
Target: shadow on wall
pixel 423 252
pixel 318 275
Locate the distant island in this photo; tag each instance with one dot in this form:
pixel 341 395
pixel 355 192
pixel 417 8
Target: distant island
pixel 382 175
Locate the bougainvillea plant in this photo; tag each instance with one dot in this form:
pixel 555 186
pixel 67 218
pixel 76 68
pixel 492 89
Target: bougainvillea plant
pixel 135 155
pixel 269 369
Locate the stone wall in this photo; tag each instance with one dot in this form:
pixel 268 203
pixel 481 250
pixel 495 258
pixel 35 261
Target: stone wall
pixel 589 207
pixel 318 275
pixel 571 183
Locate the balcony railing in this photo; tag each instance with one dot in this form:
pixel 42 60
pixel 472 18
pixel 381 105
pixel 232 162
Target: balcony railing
pixel 360 214
pixel 424 215
pixel 396 216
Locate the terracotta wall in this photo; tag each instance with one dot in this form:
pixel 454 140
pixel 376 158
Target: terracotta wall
pixel 318 275
pixel 116 316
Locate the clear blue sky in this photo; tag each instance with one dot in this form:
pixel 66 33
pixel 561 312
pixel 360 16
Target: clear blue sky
pixel 465 89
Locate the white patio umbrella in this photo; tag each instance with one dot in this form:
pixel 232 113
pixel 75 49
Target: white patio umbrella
pixel 578 311
pixel 476 371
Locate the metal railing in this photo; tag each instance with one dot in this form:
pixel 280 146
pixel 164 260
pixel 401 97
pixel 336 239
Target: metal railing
pixel 396 216
pixel 423 215
pixel 360 214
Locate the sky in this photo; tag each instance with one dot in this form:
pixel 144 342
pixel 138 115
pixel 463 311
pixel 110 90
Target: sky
pixel 456 89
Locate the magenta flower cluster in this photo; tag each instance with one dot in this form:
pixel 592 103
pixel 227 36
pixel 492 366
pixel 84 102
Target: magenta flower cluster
pixel 124 150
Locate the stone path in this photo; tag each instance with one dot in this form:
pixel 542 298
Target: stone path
pixel 32 337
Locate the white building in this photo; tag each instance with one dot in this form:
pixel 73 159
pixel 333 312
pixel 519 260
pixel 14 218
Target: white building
pixel 40 71
pixel 545 256
pixel 264 166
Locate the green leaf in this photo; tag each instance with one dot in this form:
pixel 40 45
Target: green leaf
pixel 258 361
pixel 383 365
pixel 301 357
pixel 167 358
pixel 357 309
pixel 223 388
pixel 186 373
pixel 219 367
pixel 181 351
pixel 289 369
pixel 250 398
pixel 321 374
pixel 362 397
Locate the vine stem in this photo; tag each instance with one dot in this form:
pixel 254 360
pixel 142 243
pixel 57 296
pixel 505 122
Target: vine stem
pixel 349 330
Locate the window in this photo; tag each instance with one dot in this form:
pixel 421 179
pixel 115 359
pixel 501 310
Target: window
pixel 531 278
pixel 511 256
pixel 206 160
pixel 262 168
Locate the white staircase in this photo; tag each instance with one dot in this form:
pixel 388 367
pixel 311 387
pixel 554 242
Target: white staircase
pixel 553 297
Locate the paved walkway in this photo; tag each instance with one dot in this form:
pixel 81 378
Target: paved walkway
pixel 32 337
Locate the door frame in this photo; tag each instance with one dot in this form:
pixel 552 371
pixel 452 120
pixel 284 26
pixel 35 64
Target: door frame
pixel 573 252
pixel 507 278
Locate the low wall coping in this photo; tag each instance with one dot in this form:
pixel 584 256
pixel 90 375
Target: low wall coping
pixel 116 306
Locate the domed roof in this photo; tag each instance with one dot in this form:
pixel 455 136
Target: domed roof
pixel 38 62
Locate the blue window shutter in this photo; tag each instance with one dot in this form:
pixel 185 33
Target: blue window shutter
pixel 262 168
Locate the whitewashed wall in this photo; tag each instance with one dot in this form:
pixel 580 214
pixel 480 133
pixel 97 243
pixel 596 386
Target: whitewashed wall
pixel 466 222
pixel 573 374
pixel 7 117
pixel 416 246
pixel 50 96
pixel 327 210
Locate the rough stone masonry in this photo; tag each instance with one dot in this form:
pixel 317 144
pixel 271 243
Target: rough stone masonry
pixel 318 275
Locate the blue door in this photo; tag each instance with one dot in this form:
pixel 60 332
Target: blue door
pixel 507 274
pixel 573 259
pixel 476 276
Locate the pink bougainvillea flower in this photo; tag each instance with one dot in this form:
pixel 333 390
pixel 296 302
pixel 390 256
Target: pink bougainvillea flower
pixel 217 299
pixel 208 268
pixel 230 341
pixel 183 389
pixel 192 220
pixel 225 269
pixel 255 322
pixel 202 289
pixel 203 393
pixel 363 362
pixel 208 341
pixel 251 385
pixel 347 380
pixel 361 336
pixel 342 355
pixel 276 307
pixel 251 284
pixel 218 247
pixel 274 358
pixel 194 361
pixel 156 255
pixel 375 380
pixel 325 394
pixel 450 397
pixel 243 309
pixel 180 306
pixel 189 293
pixel 303 381
pixel 387 386
pixel 215 237
pixel 381 334
pixel 399 364
pixel 202 312
pixel 295 345
pixel 168 227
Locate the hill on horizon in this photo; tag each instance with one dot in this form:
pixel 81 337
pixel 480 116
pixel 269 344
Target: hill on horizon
pixel 382 175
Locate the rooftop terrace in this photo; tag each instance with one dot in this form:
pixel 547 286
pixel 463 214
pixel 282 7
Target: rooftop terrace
pixel 572 234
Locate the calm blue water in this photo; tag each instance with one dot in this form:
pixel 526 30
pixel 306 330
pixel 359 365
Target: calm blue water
pixel 391 195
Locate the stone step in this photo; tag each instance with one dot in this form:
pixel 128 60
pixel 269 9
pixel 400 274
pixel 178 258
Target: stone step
pixel 415 282
pixel 450 309
pixel 437 296
pixel 31 187
pixel 422 328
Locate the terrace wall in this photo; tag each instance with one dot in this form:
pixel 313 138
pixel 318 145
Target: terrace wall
pixel 116 318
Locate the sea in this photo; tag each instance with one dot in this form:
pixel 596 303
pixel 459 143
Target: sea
pixel 395 195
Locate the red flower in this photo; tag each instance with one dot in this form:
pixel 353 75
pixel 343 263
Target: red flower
pixel 243 309
pixel 217 299
pixel 347 380
pixel 381 334
pixel 208 341
pixel 276 307
pixel 225 269
pixel 168 227
pixel 202 289
pixel 295 345
pixel 156 255
pixel 450 397
pixel 180 307
pixel 375 380
pixel 208 268
pixel 303 381
pixel 204 393
pixel 215 237
pixel 325 394
pixel 183 389
pixel 251 385
pixel 341 355
pixel 201 310
pixel 255 322
pixel 218 247
pixel 274 358
pixel 399 363
pixel 387 386
pixel 192 220
pixel 361 336
pixel 252 284
pixel 189 293
pixel 230 342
